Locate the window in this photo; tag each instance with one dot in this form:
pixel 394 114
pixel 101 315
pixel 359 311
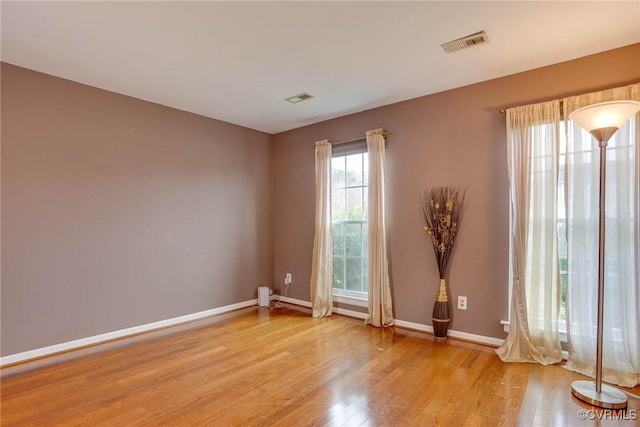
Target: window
pixel 349 226
pixel 562 233
pixel 588 157
pixel 544 165
pixel 554 215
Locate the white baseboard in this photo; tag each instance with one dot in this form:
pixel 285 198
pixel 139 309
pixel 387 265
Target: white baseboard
pixel 350 313
pixel 296 301
pixel 356 302
pixel 415 326
pixel 337 310
pixel 122 333
pixel 480 339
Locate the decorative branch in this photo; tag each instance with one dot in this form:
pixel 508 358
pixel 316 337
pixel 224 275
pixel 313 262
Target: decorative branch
pixel 442 209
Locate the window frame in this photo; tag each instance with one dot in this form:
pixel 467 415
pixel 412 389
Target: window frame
pixel 347 296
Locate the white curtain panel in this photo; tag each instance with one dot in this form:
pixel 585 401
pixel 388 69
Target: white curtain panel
pixel 533 151
pixel 380 307
pixel 322 264
pixel 621 332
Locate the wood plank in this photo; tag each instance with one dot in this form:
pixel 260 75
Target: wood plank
pixel 282 367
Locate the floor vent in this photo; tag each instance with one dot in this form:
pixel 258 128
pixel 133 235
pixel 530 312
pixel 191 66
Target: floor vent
pixel 465 42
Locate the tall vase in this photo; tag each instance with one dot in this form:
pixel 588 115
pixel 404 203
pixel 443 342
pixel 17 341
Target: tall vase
pixel 441 317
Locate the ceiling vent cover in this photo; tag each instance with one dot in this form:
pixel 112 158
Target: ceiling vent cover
pixel 298 98
pixel 465 42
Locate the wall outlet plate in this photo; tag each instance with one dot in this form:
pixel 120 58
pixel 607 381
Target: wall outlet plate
pixel 462 303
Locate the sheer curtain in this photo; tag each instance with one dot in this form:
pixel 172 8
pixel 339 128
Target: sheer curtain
pixel 621 334
pixel 322 263
pixel 380 310
pixel 532 156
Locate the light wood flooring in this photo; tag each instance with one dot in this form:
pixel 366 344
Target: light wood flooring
pixel 261 367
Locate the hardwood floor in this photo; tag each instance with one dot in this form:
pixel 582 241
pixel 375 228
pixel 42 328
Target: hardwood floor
pixel 281 367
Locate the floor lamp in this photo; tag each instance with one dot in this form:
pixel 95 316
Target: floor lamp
pixel 602 120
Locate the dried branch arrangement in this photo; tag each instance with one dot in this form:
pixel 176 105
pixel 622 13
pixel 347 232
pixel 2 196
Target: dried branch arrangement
pixel 442 209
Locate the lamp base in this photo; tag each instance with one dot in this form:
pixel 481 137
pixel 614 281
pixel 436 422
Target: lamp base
pixel 609 398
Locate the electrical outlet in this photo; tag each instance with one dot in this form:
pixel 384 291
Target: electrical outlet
pixel 462 303
pixel 287 279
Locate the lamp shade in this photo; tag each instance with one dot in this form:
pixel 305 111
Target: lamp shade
pixel 612 114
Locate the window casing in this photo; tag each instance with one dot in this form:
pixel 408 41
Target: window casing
pixel 349 225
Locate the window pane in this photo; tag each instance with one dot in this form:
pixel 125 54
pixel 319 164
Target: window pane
pixel 365 274
pixel 337 239
pixel 338 207
pixel 349 216
pixel 365 203
pixel 365 168
pixel 355 204
pixel 354 169
pixel 337 172
pixel 338 273
pixel 365 240
pixel 354 274
pixel 354 239
pixel 563 263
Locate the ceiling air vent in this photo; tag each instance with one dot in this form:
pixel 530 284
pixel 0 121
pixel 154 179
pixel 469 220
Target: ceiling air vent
pixel 298 98
pixel 465 42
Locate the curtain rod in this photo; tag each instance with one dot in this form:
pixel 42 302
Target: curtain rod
pixel 504 110
pixel 385 132
pixel 349 140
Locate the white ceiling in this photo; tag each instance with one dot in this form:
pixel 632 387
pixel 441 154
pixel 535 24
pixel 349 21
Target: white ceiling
pixel 237 61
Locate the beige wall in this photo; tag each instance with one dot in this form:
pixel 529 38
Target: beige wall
pixel 454 137
pixel 118 212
